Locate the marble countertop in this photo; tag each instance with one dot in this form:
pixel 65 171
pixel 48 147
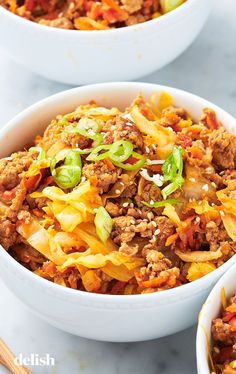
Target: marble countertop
pixel 208 69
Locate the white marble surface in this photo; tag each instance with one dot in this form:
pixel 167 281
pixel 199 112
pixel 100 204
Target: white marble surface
pixel 207 68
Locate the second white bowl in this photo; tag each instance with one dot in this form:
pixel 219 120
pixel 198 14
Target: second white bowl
pixel 82 57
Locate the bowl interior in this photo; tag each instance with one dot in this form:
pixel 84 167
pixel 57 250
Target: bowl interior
pixel 210 310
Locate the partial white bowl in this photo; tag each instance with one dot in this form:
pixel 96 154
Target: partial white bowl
pixel 82 57
pixel 211 310
pixel 94 316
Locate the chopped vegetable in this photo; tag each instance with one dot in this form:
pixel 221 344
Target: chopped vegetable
pixel 103 223
pixel 159 204
pixel 67 175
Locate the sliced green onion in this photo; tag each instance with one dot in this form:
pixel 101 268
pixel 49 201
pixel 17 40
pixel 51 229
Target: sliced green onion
pixel 97 153
pixel 169 5
pixel 178 159
pixel 172 170
pixel 41 152
pixel 103 223
pixel 172 187
pixel 63 121
pixel 120 151
pixel 169 168
pixel 159 204
pixel 126 166
pixel 86 127
pixel 69 174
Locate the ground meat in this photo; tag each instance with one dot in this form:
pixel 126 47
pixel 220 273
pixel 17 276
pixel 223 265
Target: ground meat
pixel 222 332
pixel 105 174
pixel 11 169
pixel 75 140
pixel 130 191
pixel 224 148
pixel 171 116
pixel 126 227
pixel 151 192
pixel 166 227
pixel 62 23
pixel 113 209
pixel 215 233
pixel 123 129
pixel 128 250
pixel 132 5
pixel 8 234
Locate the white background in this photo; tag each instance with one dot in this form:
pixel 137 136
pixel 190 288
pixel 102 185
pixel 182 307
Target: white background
pixel 208 69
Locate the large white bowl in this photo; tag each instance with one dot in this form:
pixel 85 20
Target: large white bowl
pixel 104 317
pixel 82 57
pixel 211 310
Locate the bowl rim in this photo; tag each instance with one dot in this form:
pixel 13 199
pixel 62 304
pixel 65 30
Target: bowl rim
pixel 201 336
pixel 55 30
pixel 156 296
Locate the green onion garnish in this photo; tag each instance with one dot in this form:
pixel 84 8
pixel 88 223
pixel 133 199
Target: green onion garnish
pixel 41 152
pixel 69 174
pixel 169 5
pixel 172 170
pixel 98 153
pixel 120 151
pixel 160 204
pixel 140 161
pixel 103 223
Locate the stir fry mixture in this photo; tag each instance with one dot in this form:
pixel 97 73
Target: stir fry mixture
pixel 90 14
pixel 122 202
pixel 224 335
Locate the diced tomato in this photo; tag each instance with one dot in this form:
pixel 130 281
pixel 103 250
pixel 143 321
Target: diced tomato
pixel 8 195
pixel 131 160
pixel 227 316
pixel 32 182
pixel 117 288
pixel 185 140
pixel 38 212
pixel 225 355
pixel 211 120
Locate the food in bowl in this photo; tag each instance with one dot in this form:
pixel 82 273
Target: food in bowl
pixel 224 335
pixel 129 202
pixel 90 15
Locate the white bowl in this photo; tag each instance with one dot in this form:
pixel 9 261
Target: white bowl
pixel 211 310
pixel 104 317
pixel 82 57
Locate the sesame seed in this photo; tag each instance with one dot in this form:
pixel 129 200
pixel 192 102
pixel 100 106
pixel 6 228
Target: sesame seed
pixel 192 179
pixel 122 184
pixel 198 219
pixel 151 202
pixel 222 213
pixel 157 232
pixel 83 179
pixel 154 224
pixel 154 146
pixel 150 216
pixel 125 205
pixel 95 210
pixel 139 211
pixel 132 221
pixel 205 187
pixel 147 149
pixel 170 128
pixel 216 349
pixel 112 127
pixel 213 184
pixel 208 170
pixel 154 238
pixel 117 191
pixel 131 205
